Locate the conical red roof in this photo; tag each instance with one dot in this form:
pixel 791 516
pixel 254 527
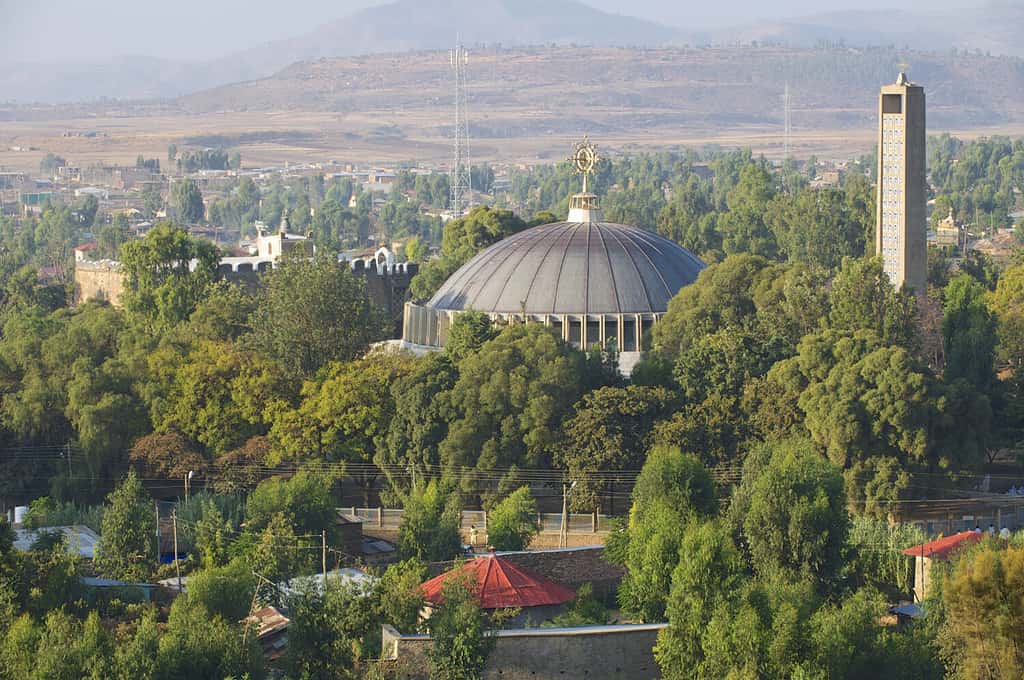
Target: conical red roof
pixel 500 584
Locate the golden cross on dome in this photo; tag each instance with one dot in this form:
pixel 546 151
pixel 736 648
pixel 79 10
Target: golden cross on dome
pixel 584 159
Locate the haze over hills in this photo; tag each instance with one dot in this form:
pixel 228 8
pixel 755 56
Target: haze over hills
pixel 994 29
pixel 415 25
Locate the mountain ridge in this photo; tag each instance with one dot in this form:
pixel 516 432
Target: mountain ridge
pixel 428 25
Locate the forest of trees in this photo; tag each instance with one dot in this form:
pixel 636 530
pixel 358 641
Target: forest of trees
pixel 791 366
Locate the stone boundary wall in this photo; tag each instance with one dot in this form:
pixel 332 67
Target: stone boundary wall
pixel 619 652
pixel 102 280
pixel 572 567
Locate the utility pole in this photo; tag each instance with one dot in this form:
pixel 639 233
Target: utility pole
pixel 323 556
pixel 787 124
pixel 156 504
pixel 563 537
pixel 177 565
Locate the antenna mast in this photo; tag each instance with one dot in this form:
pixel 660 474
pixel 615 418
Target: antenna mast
pixel 788 105
pixel 460 178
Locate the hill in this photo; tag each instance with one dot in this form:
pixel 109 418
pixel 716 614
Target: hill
pixel 993 29
pixel 538 90
pixel 404 25
pixel 429 25
pixel 526 104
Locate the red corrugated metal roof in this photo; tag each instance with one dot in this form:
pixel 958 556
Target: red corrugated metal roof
pixel 500 584
pixel 942 548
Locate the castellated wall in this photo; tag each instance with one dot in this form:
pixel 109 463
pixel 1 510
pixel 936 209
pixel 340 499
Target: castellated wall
pixel 101 280
pixel 618 652
pixel 386 285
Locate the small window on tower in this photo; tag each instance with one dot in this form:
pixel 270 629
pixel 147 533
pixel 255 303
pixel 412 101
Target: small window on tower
pixel 892 103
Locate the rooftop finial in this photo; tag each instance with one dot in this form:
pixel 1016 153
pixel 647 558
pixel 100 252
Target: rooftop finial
pixel 902 79
pixel 584 207
pixel 584 159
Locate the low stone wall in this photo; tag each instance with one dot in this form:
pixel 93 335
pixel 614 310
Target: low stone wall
pixel 621 652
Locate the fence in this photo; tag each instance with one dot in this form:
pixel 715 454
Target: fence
pixel 549 522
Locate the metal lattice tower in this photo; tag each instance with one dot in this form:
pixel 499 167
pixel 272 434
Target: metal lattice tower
pixel 788 105
pixel 460 178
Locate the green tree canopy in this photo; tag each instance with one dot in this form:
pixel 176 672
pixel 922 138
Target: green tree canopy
pixel 126 548
pixel 167 274
pixel 187 201
pixel 430 523
pixel 793 514
pixel 312 312
pixel 513 522
pixel 863 298
pixel 611 429
pixel 458 628
pixel 510 399
pixel 969 333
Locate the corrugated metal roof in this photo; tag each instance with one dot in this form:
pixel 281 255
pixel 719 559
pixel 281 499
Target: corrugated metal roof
pixel 942 548
pixel 500 584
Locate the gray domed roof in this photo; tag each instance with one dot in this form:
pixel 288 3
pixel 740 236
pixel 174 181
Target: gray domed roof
pixel 572 268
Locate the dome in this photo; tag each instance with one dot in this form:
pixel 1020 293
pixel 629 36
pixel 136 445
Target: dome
pixel 586 267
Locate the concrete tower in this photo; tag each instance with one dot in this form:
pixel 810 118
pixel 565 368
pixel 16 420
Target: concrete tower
pixel 901 222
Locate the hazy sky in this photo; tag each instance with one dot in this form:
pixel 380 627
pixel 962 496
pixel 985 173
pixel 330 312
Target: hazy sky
pixel 56 30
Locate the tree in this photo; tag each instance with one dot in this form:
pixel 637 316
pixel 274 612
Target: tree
pixel 720 298
pixel 59 648
pixel 111 236
pixel 324 635
pixel 223 591
pixel 85 211
pixel 863 298
pixel 611 429
pixel 1007 304
pixel 187 201
pixel 211 536
pixel 401 598
pixel 677 478
pixel 126 545
pixel 162 286
pixel 513 522
pixel 416 250
pixel 458 629
pixel 672 489
pixel 135 655
pixel 203 646
pixel 420 421
pixel 304 500
pixel 969 333
pixel 312 312
pixel 983 632
pixel 468 332
pixel 860 397
pixel 430 524
pixel 709 572
pixel 345 414
pixel 743 226
pixel 794 519
pixel 166 456
pixel 48 166
pixel 510 399
pixel 220 396
pixel 813 226
pixel 463 238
